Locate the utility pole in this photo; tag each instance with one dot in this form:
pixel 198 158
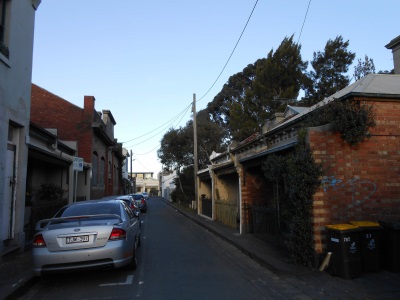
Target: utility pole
pixel 131 174
pixel 196 198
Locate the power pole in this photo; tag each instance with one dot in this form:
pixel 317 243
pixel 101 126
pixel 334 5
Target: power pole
pixel 196 198
pixel 131 181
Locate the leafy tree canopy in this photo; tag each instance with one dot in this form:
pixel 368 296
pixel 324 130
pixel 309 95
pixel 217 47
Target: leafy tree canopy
pixel 363 68
pixel 252 96
pixel 177 144
pixel 329 69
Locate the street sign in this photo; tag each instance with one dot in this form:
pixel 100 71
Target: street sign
pixel 78 163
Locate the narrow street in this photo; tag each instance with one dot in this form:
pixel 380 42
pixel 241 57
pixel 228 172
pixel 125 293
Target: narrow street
pixel 178 259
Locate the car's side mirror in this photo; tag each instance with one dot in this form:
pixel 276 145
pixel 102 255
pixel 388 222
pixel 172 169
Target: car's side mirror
pixel 136 214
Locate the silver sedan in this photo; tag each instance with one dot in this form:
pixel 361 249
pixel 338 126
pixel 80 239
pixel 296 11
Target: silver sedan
pixel 94 234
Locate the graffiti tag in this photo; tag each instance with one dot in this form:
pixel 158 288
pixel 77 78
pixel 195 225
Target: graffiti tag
pixel 355 183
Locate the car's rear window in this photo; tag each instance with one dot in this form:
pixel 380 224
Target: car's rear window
pixel 137 197
pixel 90 209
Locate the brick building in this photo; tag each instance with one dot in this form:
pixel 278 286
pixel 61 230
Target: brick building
pixel 93 133
pixel 360 183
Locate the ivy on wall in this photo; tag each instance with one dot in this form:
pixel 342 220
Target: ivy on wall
pixel 352 119
pixel 301 175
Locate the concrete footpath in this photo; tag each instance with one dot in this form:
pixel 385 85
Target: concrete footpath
pixel 16 275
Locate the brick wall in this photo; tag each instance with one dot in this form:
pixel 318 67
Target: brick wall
pixel 50 111
pixel 73 124
pixel 255 191
pixel 362 182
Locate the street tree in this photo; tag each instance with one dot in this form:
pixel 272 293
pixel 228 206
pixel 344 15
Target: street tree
pixel 329 70
pixel 234 91
pixel 177 145
pixel 252 96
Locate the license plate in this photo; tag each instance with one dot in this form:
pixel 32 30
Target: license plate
pixel 77 239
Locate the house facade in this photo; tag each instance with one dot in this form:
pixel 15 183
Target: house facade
pixel 51 176
pixel 360 183
pixel 93 133
pixel 17 19
pixel 166 183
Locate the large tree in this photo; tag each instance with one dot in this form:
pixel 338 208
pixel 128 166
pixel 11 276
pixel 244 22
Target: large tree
pixel 233 91
pixel 329 70
pixel 252 96
pixel 177 145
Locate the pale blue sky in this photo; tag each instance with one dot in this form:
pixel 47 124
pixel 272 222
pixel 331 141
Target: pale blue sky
pixel 144 60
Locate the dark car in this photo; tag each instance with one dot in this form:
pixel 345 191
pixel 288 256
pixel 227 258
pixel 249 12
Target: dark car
pixel 140 201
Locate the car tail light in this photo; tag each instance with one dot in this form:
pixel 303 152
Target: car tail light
pixel 143 202
pixel 38 241
pixel 117 234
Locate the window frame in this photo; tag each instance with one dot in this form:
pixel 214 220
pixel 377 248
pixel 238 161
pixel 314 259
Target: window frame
pixel 5 27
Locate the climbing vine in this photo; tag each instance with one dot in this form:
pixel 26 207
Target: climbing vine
pixel 351 119
pixel 301 176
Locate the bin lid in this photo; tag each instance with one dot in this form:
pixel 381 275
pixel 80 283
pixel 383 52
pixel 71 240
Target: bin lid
pixel 342 227
pixel 365 223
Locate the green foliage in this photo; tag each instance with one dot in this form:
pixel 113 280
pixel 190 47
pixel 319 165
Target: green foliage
pixel 350 118
pixel 302 178
pixel 50 192
pixel 329 67
pixel 184 182
pixel 177 145
pixel 364 68
pixel 252 96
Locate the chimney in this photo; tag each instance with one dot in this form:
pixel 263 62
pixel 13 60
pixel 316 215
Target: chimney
pixel 394 45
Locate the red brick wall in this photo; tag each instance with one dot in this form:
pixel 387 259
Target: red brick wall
pixel 72 124
pixel 362 182
pixel 255 191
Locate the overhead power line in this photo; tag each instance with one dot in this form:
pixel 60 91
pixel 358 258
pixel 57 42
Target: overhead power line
pixel 183 112
pixel 248 20
pixel 173 119
pixel 304 21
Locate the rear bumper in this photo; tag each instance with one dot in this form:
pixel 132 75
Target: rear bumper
pixel 113 255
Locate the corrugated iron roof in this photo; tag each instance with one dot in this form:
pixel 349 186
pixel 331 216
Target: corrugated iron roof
pixel 372 85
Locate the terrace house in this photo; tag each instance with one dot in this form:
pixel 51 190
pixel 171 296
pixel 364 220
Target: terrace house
pixel 93 133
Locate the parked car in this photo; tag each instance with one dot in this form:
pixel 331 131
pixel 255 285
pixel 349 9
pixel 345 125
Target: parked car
pixel 93 234
pixel 128 199
pixel 145 195
pixel 140 201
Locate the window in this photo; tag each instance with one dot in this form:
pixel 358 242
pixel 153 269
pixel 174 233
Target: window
pixel 4 26
pixel 95 168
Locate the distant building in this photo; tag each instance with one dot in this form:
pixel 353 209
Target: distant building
pixel 144 182
pixel 167 184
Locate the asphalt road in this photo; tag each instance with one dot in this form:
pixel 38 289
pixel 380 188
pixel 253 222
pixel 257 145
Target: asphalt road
pixel 178 259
